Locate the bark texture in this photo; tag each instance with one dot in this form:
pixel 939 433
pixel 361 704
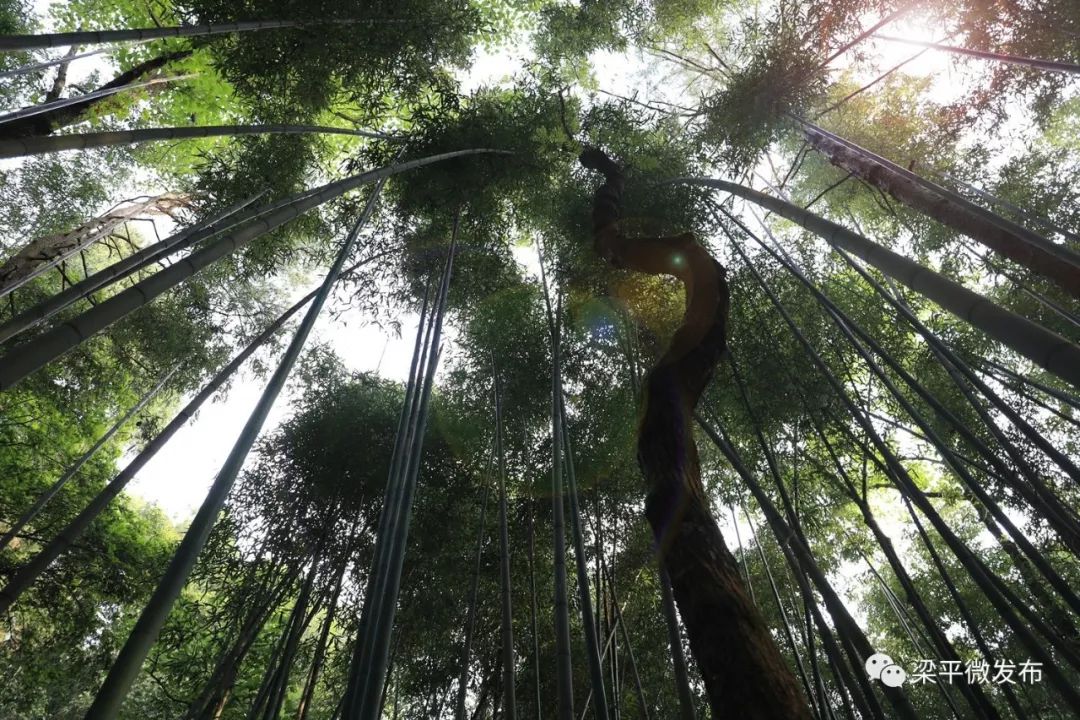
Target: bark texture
pixel 1003 242
pixel 745 675
pixel 48 122
pixel 44 252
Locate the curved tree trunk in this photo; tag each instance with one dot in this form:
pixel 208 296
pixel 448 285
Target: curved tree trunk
pixel 745 675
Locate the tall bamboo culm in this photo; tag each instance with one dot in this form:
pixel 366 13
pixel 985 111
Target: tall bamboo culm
pixel 509 657
pixel 138 260
pixel 996 591
pixel 588 622
pixel 367 682
pixel 124 670
pixel 89 37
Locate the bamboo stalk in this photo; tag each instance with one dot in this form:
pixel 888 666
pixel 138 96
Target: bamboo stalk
pixel 856 645
pixel 1003 236
pixel 957 368
pixel 46 107
pixel 373 656
pixel 891 17
pixel 564 676
pixel 318 657
pixel 42 145
pixel 999 595
pixel 961 605
pixel 119 270
pixel 678 657
pixel 980 706
pixel 1052 65
pixel 470 620
pixel 375 579
pixel 296 628
pixel 618 617
pixel 508 656
pixel 1015 209
pixel 50 63
pixel 785 625
pixel 850 329
pixel 588 623
pixel 92 37
pixel 1064 397
pixel 22 578
pixel 29 357
pixel 45 253
pixel 534 629
pixel 1041 346
pixel 124 670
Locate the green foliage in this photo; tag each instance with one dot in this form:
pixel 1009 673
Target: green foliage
pixel 16 17
pixel 570 33
pixel 1047 32
pixel 280 165
pixel 780 78
pixel 53 194
pixel 393 50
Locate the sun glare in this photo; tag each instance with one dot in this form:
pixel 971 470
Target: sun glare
pixel 877 55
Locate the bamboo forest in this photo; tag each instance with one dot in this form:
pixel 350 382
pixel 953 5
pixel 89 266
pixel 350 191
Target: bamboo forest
pixel 539 359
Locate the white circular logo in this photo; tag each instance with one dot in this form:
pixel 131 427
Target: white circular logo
pixel 876 663
pixel 893 676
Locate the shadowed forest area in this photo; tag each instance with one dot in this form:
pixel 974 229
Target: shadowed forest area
pixel 523 359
